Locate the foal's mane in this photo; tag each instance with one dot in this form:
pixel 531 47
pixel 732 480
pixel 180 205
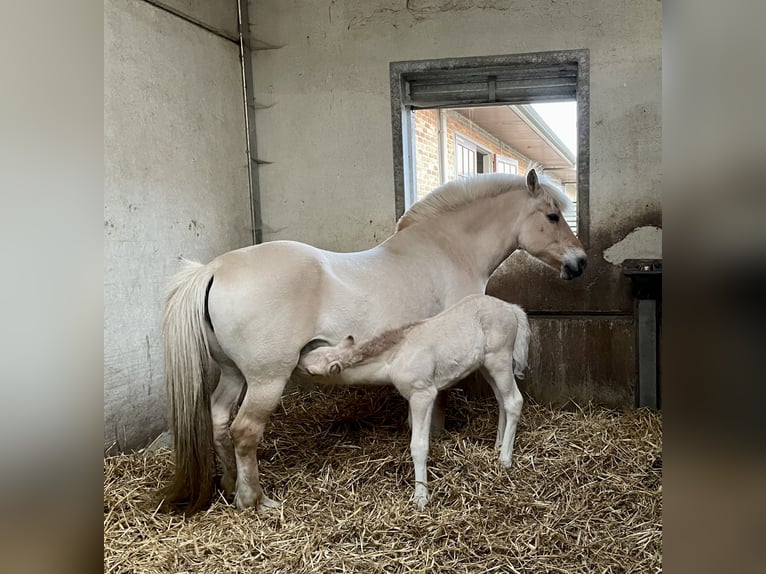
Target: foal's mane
pixel 379 344
pixel 458 193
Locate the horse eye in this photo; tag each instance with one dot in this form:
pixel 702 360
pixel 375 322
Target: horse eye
pixel 553 217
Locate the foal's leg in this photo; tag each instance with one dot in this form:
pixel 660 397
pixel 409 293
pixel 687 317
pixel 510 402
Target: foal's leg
pixel 500 368
pixel 222 402
pixel 513 403
pixel 261 398
pixel 421 409
pixel 439 412
pixel 500 410
pixel 438 416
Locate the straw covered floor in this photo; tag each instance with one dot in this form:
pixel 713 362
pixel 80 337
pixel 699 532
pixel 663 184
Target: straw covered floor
pixel 584 494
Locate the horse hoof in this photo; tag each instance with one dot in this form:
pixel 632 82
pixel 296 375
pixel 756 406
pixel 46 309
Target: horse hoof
pixel 243 500
pixel 267 504
pixel 505 463
pixel 228 484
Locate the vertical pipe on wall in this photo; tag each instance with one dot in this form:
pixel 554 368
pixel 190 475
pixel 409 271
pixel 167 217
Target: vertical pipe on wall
pixel 245 59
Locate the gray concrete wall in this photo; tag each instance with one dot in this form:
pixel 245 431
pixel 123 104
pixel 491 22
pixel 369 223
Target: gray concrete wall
pixel 175 184
pixel 329 136
pixel 218 14
pixel 328 133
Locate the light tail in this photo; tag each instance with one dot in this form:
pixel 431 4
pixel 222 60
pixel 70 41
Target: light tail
pixel 521 345
pixel 187 362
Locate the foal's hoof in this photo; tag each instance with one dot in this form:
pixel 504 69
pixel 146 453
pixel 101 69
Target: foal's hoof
pixel 505 463
pixel 420 498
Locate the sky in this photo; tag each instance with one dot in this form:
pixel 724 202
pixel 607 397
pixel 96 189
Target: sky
pixel 562 119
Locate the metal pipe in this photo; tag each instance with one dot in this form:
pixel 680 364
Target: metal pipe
pixel 245 60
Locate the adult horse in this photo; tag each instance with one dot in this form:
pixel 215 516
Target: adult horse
pixel 253 311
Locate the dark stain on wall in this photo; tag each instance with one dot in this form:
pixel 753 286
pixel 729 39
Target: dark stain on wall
pixel 580 359
pixel 601 289
pixel 584 342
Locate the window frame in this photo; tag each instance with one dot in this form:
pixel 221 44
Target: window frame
pixel 472 146
pixel 459 70
pixel 499 158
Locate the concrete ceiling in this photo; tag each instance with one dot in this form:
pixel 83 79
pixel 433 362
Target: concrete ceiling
pixel 522 131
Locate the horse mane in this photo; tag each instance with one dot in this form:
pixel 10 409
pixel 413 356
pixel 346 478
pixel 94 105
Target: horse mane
pixel 379 344
pixel 453 195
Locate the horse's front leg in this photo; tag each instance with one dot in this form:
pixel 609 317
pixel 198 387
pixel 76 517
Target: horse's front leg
pixel 222 402
pixel 261 398
pixel 438 415
pixel 421 410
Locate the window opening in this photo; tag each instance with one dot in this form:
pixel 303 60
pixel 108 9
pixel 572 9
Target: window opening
pixel 470 159
pixel 454 118
pixel 506 165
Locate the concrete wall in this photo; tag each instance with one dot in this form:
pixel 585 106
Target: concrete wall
pixel 329 136
pixel 175 184
pixel 217 14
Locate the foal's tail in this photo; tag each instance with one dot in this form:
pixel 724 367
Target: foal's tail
pixel 187 362
pixel 521 345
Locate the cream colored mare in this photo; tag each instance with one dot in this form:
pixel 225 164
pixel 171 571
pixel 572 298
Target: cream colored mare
pixel 479 332
pixel 254 309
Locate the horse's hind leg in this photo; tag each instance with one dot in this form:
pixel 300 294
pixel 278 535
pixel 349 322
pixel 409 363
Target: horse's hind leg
pixel 222 402
pixel 500 410
pixel 500 369
pixel 513 403
pixel 261 398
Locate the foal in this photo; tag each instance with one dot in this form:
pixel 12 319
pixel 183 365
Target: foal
pixel 479 332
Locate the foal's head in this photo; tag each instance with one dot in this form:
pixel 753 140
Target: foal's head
pixel 544 233
pixel 327 361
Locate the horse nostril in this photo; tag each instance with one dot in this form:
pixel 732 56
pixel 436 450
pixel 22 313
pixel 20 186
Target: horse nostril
pixel 575 268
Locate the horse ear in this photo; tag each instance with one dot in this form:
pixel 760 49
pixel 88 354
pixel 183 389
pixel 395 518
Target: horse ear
pixel 335 368
pixel 348 341
pixel 532 182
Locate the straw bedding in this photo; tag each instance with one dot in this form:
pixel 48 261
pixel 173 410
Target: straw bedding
pixel 584 494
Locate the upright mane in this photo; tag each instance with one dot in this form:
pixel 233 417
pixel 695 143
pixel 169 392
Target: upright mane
pixel 458 193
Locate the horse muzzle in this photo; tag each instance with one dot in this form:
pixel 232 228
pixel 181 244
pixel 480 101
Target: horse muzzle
pixel 573 266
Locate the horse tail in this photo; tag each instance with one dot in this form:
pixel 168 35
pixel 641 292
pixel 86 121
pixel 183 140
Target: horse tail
pixel 187 364
pixel 521 344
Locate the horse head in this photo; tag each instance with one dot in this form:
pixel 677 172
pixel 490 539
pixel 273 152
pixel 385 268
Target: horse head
pixel 544 233
pixel 326 361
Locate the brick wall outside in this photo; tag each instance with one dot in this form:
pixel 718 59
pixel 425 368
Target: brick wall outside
pixel 426 126
pixel 458 123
